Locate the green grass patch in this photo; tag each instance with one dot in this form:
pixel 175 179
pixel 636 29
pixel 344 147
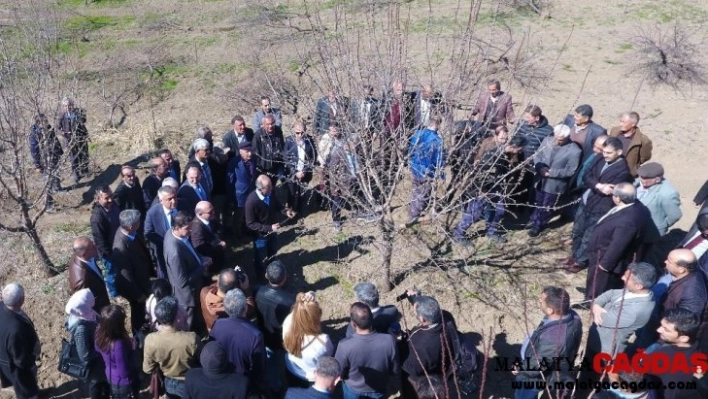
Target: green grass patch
pixel 94 3
pixel 169 84
pixel 72 228
pixel 670 10
pixel 92 23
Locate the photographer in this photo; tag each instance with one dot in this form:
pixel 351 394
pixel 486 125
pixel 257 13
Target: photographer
pixel 212 297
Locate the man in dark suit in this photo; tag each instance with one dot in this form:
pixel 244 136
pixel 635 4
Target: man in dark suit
pixel 601 178
pixel 153 182
pixel 494 107
pixel 327 110
pixel 327 375
pixel 173 167
pixel 129 193
pixel 184 268
pixel 192 191
pixel 240 133
pixel 84 272
pixel 133 265
pixel 104 224
pixel 241 174
pixel 262 214
pixel 300 157
pixel 365 114
pixel 614 240
pixel 204 238
pixel 157 222
pixel 216 378
pixel 696 240
pixel 583 130
pixel 268 145
pixel 19 344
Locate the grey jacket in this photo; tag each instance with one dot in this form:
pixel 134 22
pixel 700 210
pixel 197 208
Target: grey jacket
pixel 562 162
pixel 664 204
pixel 625 317
pixel 183 270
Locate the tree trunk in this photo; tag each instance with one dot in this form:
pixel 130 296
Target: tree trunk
pixel 49 266
pixel 386 249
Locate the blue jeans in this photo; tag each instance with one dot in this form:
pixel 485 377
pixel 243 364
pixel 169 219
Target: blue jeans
pixel 544 204
pixel 526 393
pixel 493 213
pixel 174 387
pixel 349 394
pixel 110 277
pixel 263 249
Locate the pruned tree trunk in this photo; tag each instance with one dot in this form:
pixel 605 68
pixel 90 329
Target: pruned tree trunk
pixel 386 249
pixel 49 266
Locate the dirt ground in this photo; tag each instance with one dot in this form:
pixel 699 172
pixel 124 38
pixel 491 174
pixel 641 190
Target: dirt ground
pixel 586 48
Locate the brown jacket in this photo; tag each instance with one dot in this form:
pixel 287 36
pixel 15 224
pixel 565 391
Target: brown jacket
pixel 639 150
pixel 82 276
pixel 504 110
pixel 213 305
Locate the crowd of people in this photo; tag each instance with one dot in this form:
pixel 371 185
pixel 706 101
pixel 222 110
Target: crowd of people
pixel 200 328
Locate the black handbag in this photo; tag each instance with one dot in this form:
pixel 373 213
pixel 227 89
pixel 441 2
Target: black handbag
pixel 70 363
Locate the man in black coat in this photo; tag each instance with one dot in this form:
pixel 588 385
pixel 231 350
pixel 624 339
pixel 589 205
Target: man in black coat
pixel 133 266
pixel 234 137
pixel 216 378
pixel 614 240
pixel 268 146
pixel 19 344
pixel 173 168
pixel 262 217
pixel 601 178
pixel 129 193
pixel 104 224
pixel 204 237
pixel 153 182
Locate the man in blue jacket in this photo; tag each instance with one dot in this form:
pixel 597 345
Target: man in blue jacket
pixel 427 161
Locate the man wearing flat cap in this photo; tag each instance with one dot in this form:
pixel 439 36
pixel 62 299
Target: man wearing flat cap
pixel 216 378
pixel 241 176
pixel 664 204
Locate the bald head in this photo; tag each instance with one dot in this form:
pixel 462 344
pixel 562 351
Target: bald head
pixel 625 193
pixel 683 257
pixel 264 185
pixel 84 248
pixel 204 209
pixel 159 166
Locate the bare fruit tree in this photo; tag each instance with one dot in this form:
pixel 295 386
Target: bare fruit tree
pixel 345 51
pixel 27 110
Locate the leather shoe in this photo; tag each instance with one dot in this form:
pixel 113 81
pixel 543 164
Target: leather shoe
pixel 568 261
pixel 573 269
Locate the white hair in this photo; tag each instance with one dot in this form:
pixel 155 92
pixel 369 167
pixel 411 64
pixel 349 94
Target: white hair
pixel 200 144
pixel 170 182
pixel 12 295
pixel 66 101
pixel 561 131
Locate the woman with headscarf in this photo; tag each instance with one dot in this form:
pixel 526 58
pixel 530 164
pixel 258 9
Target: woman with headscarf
pixel 82 324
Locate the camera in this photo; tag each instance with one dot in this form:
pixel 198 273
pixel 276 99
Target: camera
pixel 240 275
pixel 408 294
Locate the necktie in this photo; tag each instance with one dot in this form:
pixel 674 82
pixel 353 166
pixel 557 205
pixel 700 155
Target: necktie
pixel 266 199
pixel 695 242
pixel 200 192
pixel 207 176
pixel 191 249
